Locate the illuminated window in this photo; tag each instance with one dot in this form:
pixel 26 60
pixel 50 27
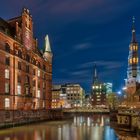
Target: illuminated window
pixel 38 73
pixel 19 89
pixel 130 61
pixel 137 59
pixel 134 47
pixel 26 90
pixel 7 102
pixel 131 48
pixel 97 87
pixel 7 73
pixel 7 87
pixel 134 60
pixel 43 104
pixel 38 93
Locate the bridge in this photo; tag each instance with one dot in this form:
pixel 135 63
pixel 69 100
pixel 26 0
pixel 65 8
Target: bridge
pixel 86 110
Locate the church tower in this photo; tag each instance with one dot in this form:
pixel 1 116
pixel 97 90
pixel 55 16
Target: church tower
pixel 98 94
pixel 133 71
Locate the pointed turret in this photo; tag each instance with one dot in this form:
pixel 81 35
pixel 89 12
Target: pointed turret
pixel 95 76
pixel 47 45
pixel 133 32
pixel 47 50
pixel 95 72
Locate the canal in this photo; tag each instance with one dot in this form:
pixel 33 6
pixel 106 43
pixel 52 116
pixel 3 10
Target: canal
pixel 93 127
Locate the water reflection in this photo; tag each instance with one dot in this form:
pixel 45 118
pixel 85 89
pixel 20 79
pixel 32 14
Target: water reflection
pixel 126 136
pixel 95 127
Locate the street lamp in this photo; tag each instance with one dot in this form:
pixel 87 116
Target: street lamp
pixel 119 92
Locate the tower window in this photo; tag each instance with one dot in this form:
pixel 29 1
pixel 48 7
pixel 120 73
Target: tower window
pixel 137 60
pixel 134 60
pixel 130 61
pixel 131 48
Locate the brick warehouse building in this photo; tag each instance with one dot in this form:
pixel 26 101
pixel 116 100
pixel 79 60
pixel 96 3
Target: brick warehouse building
pixel 25 72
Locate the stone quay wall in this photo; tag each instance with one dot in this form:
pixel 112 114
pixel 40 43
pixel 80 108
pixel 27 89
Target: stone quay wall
pixel 11 118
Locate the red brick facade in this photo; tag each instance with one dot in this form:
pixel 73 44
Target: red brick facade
pixel 29 71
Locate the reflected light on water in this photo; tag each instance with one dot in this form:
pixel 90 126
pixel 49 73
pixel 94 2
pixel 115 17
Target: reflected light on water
pixel 94 127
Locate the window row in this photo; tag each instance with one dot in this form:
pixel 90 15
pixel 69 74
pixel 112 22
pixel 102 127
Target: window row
pixel 27 89
pixel 133 60
pixel 28 70
pixel 30 60
pixel 134 48
pixel 26 57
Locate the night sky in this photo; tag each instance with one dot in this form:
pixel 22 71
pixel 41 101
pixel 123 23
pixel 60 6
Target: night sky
pixel 81 33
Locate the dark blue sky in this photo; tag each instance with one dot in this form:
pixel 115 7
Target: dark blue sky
pixel 83 32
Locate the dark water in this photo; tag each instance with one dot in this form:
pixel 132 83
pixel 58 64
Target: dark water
pixel 79 128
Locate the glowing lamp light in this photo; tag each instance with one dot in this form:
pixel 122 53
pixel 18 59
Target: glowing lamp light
pixel 124 88
pixel 97 87
pixel 119 92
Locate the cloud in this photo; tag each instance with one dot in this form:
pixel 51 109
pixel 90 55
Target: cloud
pixel 71 10
pixel 71 80
pixel 80 73
pixel 102 63
pixel 83 46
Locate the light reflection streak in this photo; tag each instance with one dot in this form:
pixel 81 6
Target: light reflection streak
pixel 93 127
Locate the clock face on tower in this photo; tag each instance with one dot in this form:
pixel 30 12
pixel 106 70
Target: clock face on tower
pixel 27 40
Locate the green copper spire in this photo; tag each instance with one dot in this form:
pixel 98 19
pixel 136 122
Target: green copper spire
pixel 47 47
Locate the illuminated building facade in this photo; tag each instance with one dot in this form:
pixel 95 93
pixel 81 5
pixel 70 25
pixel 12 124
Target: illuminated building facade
pixel 109 87
pixel 75 94
pixel 59 97
pixel 56 92
pixel 98 94
pixel 25 71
